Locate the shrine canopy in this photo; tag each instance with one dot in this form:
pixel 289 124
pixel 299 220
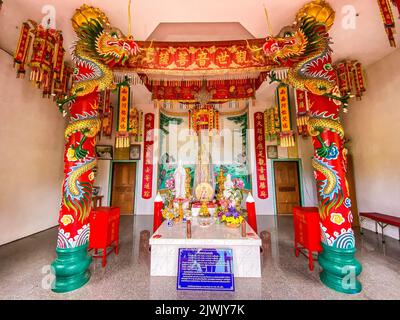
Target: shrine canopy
pixel 177 71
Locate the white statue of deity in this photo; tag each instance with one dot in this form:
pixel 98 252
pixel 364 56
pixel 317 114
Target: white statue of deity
pixel 180 180
pixel 228 186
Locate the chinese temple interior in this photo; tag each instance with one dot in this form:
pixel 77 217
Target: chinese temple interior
pixel 149 145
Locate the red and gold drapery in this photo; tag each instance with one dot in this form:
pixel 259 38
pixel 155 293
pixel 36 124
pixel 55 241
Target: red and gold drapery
pixel 221 90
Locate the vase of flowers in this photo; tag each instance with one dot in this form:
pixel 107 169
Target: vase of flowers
pixel 233 217
pixel 230 210
pixel 169 214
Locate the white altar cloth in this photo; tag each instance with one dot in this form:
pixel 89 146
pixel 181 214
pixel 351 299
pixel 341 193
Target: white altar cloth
pixel 166 241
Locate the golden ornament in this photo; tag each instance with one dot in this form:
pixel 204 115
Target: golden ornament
pixel 320 10
pixel 85 13
pixel 204 192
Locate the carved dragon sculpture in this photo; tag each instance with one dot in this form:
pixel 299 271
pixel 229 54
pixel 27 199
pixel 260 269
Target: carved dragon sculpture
pixel 304 48
pixel 98 48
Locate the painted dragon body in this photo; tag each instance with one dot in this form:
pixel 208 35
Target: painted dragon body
pixel 310 39
pixel 305 49
pixel 98 48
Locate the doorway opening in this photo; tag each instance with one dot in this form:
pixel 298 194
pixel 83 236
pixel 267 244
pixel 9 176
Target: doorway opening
pixel 287 181
pixel 123 186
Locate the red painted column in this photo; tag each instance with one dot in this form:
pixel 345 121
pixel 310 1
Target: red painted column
pixel 340 268
pixel 72 263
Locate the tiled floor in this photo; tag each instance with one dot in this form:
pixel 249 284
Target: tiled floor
pixel 24 269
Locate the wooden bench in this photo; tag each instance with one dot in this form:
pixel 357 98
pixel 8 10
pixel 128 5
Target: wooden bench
pixel 383 220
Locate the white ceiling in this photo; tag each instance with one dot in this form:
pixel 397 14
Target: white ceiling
pixel 367 42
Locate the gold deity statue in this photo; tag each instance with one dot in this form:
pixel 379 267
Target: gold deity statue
pixel 187 183
pixel 221 181
pixel 204 210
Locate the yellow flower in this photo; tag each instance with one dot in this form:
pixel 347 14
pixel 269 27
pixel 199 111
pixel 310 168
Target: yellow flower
pixel 71 154
pixel 337 218
pixel 67 219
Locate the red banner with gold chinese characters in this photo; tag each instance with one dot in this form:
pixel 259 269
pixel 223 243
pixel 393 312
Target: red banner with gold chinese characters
pixel 286 133
pixel 148 147
pixel 123 108
pixel 195 57
pixel 301 99
pixel 261 158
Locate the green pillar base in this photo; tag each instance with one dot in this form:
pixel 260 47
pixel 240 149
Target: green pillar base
pixel 340 269
pixel 71 268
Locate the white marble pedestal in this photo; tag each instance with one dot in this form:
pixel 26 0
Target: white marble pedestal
pixel 166 241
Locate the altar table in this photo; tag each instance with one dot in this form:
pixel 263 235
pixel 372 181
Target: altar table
pixel 166 241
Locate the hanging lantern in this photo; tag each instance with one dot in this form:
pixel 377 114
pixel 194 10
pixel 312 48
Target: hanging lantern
pixel 388 20
pixel 41 62
pixel 59 53
pixel 60 87
pixel 22 51
pixel 42 50
pixel 350 78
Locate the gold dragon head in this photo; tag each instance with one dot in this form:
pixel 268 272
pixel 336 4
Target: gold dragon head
pixel 295 41
pixel 95 32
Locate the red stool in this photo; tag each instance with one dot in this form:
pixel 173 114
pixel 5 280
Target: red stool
pixel 104 231
pixel 307 232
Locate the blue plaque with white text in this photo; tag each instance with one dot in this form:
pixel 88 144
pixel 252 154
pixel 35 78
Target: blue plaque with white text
pixel 205 269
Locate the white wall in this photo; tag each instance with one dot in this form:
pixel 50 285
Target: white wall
pixel 31 162
pixel 372 124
